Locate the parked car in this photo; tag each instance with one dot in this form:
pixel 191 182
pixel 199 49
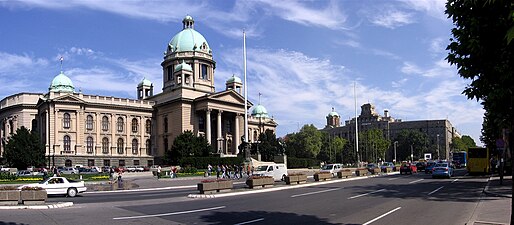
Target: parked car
pixel 442 170
pixel 276 170
pixel 386 165
pixel 140 168
pixel 429 167
pixel 24 173
pixel 420 166
pixel 408 168
pixel 331 168
pixel 371 167
pixel 83 170
pixel 69 170
pixel 60 186
pixel 130 169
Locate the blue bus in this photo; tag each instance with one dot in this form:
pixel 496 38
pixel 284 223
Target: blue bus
pixel 460 159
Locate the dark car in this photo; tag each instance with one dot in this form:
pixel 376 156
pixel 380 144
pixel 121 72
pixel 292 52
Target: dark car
pixel 408 168
pixel 429 167
pixel 371 167
pixel 420 166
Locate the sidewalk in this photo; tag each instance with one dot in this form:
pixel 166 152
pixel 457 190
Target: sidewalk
pixel 494 206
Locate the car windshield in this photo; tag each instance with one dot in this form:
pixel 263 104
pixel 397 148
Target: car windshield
pixel 261 168
pixel 327 167
pixel 441 165
pixel 430 163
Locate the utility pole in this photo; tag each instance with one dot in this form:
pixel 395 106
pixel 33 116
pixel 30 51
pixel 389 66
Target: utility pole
pixel 438 157
pixel 411 153
pixel 394 144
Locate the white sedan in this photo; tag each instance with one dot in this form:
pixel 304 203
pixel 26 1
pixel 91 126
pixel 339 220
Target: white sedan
pixel 60 186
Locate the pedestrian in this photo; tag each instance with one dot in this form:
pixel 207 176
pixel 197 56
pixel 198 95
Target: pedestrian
pixel 158 172
pixel 218 171
pixel 111 174
pixel 240 171
pixel 173 172
pixel 209 170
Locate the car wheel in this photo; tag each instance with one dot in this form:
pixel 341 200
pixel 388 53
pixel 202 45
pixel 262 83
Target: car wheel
pixel 283 177
pixel 72 192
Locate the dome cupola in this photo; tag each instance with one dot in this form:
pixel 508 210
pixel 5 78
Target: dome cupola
pixel 62 83
pixel 260 112
pixel 188 39
pixel 183 66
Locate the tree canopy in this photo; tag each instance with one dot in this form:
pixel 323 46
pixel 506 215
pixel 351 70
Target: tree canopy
pixel 373 145
pixel 418 141
pixel 304 144
pixel 268 146
pixel 24 149
pixel 188 145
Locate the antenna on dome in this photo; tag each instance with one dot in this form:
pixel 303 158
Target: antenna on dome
pixel 61 59
pixel 260 98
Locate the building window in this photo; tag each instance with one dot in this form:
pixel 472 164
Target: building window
pixel 107 162
pixel 165 144
pixel 169 70
pixel 255 136
pixel 201 124
pixel 135 125
pixel 120 124
pixel 105 123
pixel 89 122
pixel 67 143
pixel 203 72
pixel 91 162
pixel 228 127
pixel 148 126
pixel 105 145
pixel 121 162
pixel 89 144
pixel 135 146
pixel 68 163
pixel 150 163
pixel 66 121
pixel 148 147
pixel 120 146
pixel 165 124
pixel 34 125
pixel 136 162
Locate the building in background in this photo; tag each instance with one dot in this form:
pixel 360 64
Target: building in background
pixel 95 130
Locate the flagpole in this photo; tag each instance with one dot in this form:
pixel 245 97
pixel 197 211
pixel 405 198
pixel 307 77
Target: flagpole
pixel 245 87
pixel 356 127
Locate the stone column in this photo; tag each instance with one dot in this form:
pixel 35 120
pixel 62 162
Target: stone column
pixel 218 131
pixel 97 129
pixel 236 138
pixel 208 125
pixel 113 129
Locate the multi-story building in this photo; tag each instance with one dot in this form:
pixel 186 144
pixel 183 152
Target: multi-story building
pixel 76 128
pixel 439 132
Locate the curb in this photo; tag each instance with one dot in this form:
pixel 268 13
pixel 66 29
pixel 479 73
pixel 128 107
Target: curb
pixel 251 191
pixel 487 192
pixel 49 206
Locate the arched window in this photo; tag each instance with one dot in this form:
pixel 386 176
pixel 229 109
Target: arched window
pixel 165 124
pixel 34 125
pixel 120 146
pixel 11 127
pixel 68 163
pixel 148 147
pixel 66 121
pixel 105 145
pixel 89 122
pixel 120 124
pixel 229 146
pixel 255 136
pixel 135 146
pixel 135 125
pixel 148 126
pixel 89 144
pixel 201 124
pixel 105 123
pixel 67 143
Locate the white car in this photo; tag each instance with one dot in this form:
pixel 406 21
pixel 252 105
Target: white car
pixel 60 186
pixel 331 168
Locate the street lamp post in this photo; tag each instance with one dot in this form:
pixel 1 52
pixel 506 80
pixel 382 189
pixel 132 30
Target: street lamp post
pixel 438 157
pixel 394 144
pixel 411 153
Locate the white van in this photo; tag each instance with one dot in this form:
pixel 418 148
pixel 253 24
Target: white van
pixel 277 171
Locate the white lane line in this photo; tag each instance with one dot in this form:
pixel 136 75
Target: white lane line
pixel 453 181
pixel 315 192
pixel 415 181
pixel 385 214
pixel 168 214
pixel 141 190
pixel 393 178
pixel 357 196
pixel 251 221
pixel 434 191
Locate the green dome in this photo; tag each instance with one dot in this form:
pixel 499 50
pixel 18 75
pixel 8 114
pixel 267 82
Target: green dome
pixel 260 112
pixel 188 39
pixel 333 114
pixel 234 79
pixel 62 83
pixel 145 82
pixel 183 66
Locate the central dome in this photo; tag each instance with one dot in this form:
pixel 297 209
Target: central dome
pixel 62 83
pixel 188 39
pixel 260 112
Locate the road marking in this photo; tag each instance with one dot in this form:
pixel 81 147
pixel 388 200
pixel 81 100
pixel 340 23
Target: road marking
pixel 315 192
pixel 357 196
pixel 251 221
pixel 393 178
pixel 141 190
pixel 385 214
pixel 168 214
pixel 453 181
pixel 434 191
pixel 415 181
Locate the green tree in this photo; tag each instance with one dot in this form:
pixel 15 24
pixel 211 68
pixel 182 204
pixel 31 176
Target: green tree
pixel 416 139
pixel 483 52
pixel 188 145
pixel 458 144
pixel 373 145
pixel 268 145
pixel 24 149
pixel 468 141
pixel 332 148
pixel 306 143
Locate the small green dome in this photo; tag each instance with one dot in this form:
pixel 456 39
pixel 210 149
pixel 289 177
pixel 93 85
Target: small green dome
pixel 234 79
pixel 145 82
pixel 62 83
pixel 260 112
pixel 183 66
pixel 188 39
pixel 333 113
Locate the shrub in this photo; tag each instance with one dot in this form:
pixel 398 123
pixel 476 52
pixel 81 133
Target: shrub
pixel 293 162
pixel 7 176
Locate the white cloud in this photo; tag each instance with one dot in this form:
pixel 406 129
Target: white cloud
pixel 13 62
pixel 437 46
pixel 439 68
pixel 390 18
pixel 434 8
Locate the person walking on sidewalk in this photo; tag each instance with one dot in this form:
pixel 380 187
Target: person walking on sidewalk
pixel 159 172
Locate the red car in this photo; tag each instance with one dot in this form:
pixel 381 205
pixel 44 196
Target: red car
pixel 408 168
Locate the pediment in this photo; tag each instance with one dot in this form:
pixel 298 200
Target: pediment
pixel 229 96
pixel 68 98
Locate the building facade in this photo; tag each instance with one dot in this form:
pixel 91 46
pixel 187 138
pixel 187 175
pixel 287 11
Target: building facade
pixel 107 131
pixel 439 132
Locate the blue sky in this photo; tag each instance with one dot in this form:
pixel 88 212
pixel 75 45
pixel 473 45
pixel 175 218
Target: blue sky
pixel 303 56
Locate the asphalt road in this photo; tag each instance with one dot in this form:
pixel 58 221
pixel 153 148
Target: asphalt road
pixel 397 199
